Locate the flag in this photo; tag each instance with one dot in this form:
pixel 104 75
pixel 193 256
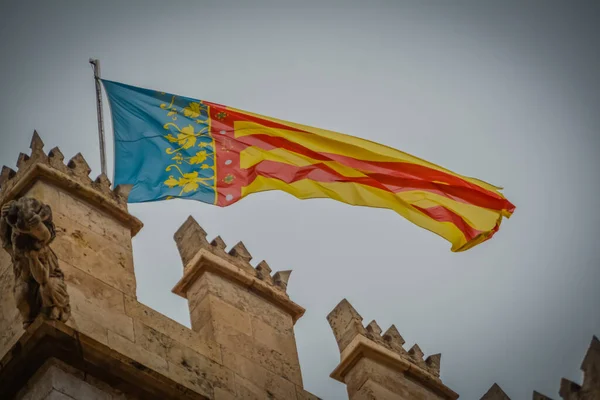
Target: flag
pixel 169 146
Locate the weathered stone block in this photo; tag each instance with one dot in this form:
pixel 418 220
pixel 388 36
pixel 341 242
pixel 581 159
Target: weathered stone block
pixel 244 345
pixel 51 377
pixel 367 369
pixel 221 315
pixel 198 367
pixel 248 302
pixel 137 353
pixel 281 341
pixel 93 289
pixel 56 395
pixel 8 306
pixel 191 381
pixel 272 383
pixel 200 318
pixel 94 254
pixel 302 394
pixel 81 212
pixel 12 329
pixel 168 327
pixel 152 340
pixel 197 293
pixel 115 321
pixel 220 394
pixel 87 325
pixel 372 391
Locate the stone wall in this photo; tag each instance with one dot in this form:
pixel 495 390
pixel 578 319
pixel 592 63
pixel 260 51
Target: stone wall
pixel 242 344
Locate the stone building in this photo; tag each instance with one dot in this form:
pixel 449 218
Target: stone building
pixel 72 328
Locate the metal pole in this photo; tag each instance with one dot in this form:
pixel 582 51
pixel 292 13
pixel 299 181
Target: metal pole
pixel 96 66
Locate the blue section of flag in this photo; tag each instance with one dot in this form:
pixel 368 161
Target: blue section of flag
pixel 163 145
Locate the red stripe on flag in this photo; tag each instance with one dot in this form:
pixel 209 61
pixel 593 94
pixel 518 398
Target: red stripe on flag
pixel 397 174
pixel 322 173
pixel 442 214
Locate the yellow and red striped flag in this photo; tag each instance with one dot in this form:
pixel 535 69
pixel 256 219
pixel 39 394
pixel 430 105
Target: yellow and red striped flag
pixel 171 146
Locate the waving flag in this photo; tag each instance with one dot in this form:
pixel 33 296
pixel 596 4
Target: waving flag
pixel 169 146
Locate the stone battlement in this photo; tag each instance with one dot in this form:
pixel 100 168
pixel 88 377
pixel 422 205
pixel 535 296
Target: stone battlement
pixel 191 238
pixel 67 245
pixel 74 176
pixel 383 355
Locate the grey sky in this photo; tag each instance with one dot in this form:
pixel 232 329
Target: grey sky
pixel 504 91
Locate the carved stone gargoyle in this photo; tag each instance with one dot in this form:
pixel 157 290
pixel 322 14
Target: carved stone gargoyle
pixel 26 231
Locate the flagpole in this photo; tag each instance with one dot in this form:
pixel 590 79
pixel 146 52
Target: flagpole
pixel 96 66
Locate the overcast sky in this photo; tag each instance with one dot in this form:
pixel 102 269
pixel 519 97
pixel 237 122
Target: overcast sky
pixel 503 91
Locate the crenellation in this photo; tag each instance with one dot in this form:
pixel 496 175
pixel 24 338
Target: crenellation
pixel 539 396
pixel 190 237
pixel 495 392
pixel 569 390
pixel 22 161
pixel 242 342
pixel 374 329
pixel 218 244
pixel 374 332
pixel 37 147
pixel 263 272
pixel 6 175
pixel 241 257
pixel 590 366
pixel 433 364
pixel 122 193
pixel 346 324
pixel 241 252
pixel 56 159
pixel 417 355
pixel 103 184
pixel 281 279
pixel 394 340
pixel 367 356
pixel 80 168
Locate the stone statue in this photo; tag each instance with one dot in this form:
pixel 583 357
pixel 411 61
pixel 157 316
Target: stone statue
pixel 26 231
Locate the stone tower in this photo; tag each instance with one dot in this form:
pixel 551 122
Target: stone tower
pixel 376 366
pixel 110 346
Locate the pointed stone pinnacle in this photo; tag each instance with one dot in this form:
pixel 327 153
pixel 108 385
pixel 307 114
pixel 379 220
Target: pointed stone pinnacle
pixel 264 267
pixel 393 337
pixel 103 183
pixel 190 225
pixel 240 251
pixel 56 154
pixel 495 393
pixel 6 175
pixel 345 309
pixel 190 238
pixel 539 396
pixel 36 142
pixel 122 191
pixel 263 272
pixel 218 243
pixel 591 362
pixel 281 279
pixel 346 324
pixel 374 328
pixel 416 353
pixel 22 160
pixel 433 364
pixel 79 166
